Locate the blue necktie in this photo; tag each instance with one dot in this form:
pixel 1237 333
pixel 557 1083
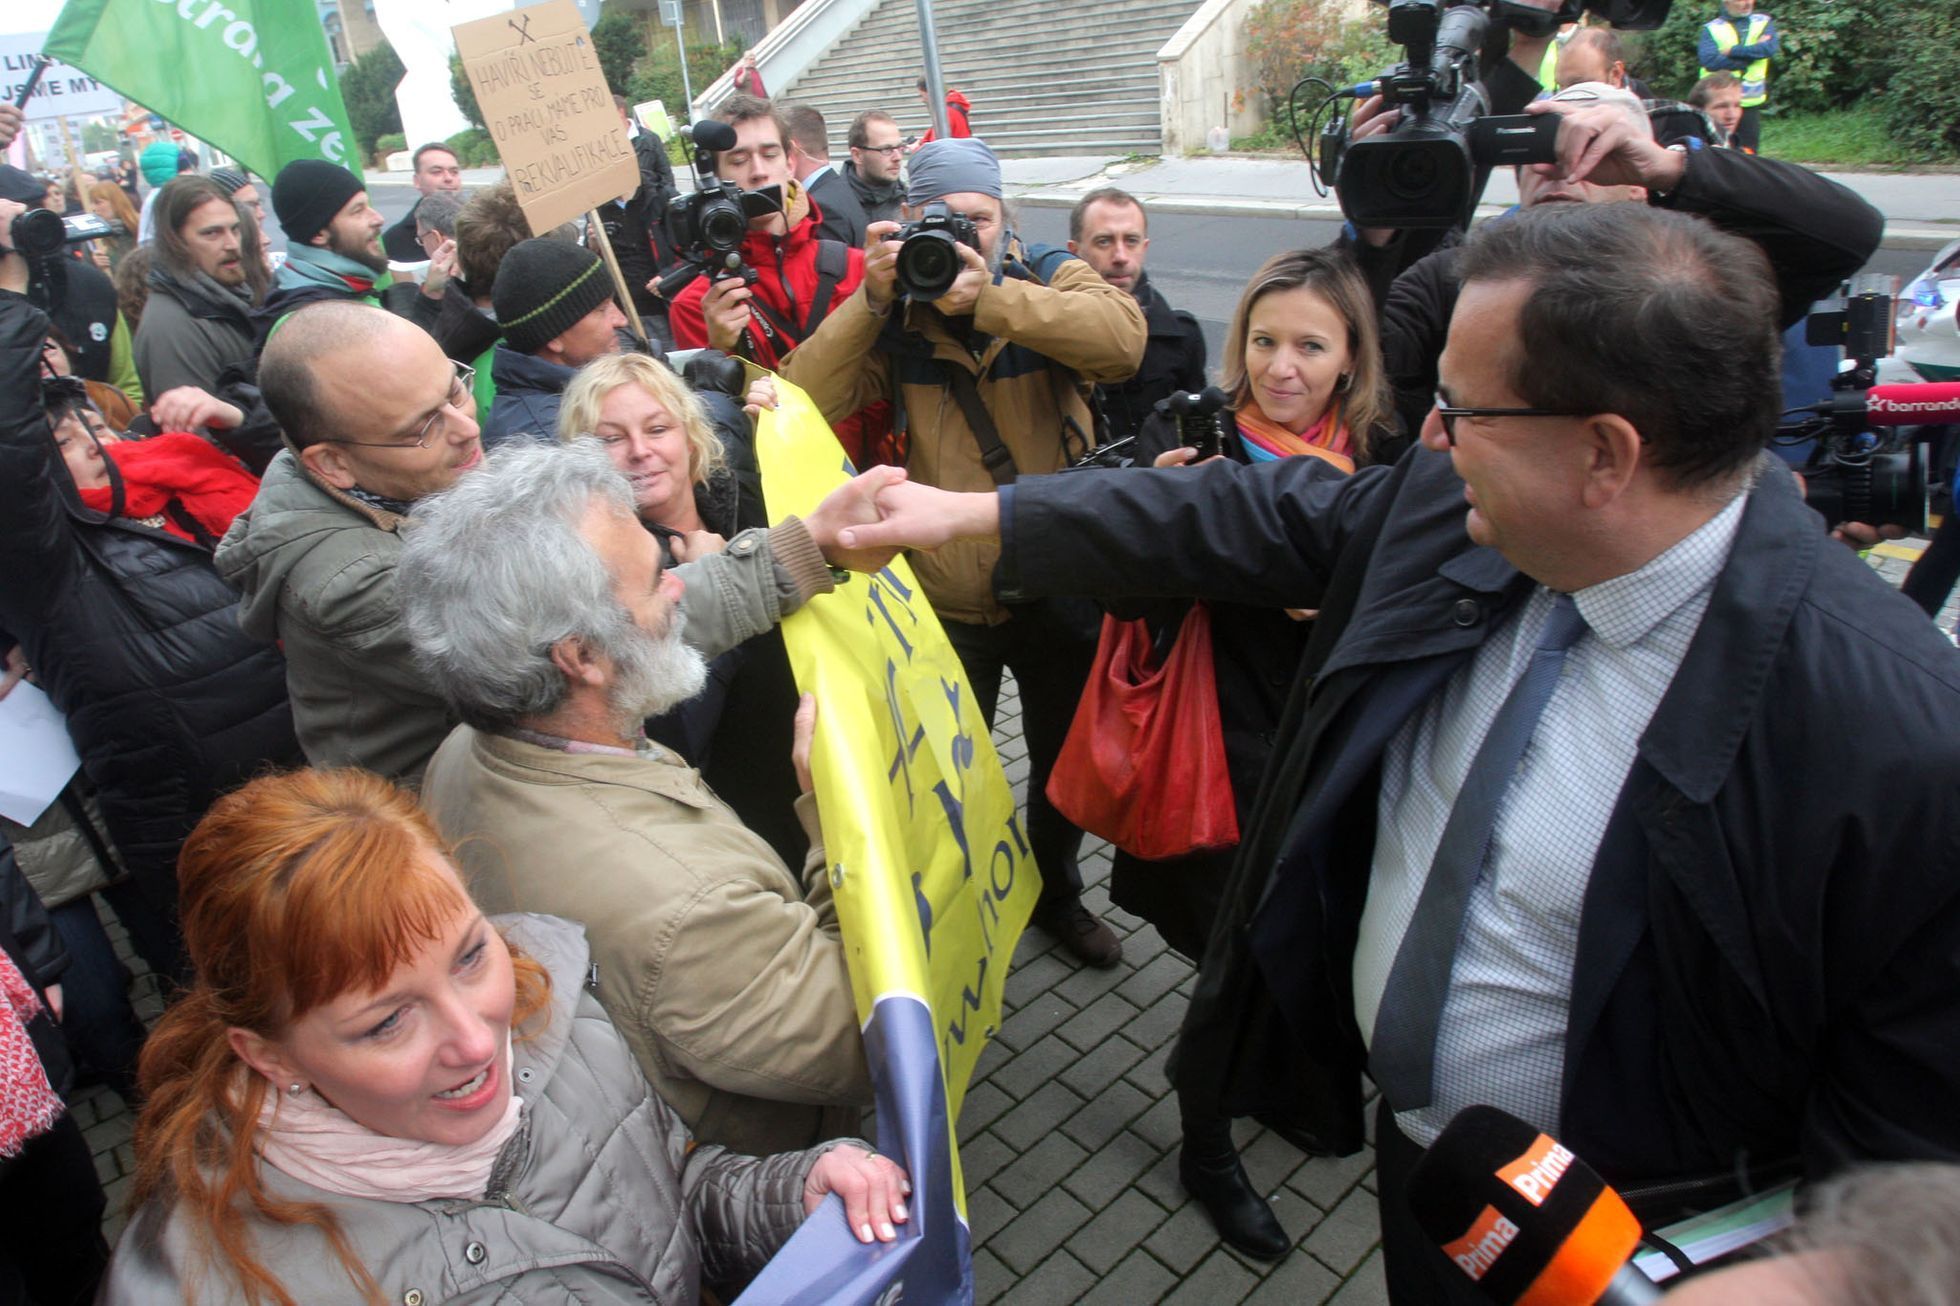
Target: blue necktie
pixel 1402 1055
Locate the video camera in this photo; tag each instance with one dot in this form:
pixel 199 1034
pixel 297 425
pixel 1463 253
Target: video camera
pixel 1427 170
pixel 1856 473
pixel 43 233
pixel 928 256
pixel 707 228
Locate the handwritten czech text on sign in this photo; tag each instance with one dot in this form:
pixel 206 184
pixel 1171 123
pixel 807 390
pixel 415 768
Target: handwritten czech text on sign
pixel 538 82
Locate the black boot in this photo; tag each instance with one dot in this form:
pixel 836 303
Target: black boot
pixel 1208 1166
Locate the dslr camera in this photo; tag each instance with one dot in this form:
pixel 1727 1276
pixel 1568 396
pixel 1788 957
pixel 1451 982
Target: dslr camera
pixel 1427 170
pixel 707 228
pixel 928 257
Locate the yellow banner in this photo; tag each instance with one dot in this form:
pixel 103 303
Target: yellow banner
pixel 931 870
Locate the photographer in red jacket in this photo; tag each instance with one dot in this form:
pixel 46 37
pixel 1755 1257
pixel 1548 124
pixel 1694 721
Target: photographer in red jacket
pixel 796 278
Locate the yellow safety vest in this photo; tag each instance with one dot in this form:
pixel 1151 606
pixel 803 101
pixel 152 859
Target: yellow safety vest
pixel 1755 78
pixel 1548 71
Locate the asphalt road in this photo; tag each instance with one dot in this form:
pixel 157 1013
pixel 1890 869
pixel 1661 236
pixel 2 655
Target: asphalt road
pixel 1200 262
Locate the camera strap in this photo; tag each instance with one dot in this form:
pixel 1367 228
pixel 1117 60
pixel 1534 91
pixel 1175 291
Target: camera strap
pixel 994 455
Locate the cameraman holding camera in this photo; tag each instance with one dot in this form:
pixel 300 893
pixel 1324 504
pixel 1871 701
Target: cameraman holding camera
pixel 993 375
pixel 790 278
pixel 1814 231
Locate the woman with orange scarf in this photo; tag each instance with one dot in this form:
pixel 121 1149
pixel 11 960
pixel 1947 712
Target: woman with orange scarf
pixel 1303 366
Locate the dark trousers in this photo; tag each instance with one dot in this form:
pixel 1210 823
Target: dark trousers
pixel 1049 646
pixel 1749 132
pixel 1417 1271
pixel 98 1022
pixel 51 1247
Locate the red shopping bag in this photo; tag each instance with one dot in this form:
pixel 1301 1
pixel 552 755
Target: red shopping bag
pixel 1144 762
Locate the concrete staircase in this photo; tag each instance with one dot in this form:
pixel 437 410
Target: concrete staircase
pixel 1045 77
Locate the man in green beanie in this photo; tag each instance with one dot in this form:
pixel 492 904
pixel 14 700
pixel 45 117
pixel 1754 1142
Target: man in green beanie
pixel 555 304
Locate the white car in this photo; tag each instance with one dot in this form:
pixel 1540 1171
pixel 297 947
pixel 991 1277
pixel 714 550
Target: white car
pixel 1928 339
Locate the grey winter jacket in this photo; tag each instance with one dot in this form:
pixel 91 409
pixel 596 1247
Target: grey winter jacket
pixel 189 344
pixel 317 571
pixel 600 1197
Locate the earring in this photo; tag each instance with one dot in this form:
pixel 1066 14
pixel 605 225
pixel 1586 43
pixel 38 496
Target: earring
pixel 295 1088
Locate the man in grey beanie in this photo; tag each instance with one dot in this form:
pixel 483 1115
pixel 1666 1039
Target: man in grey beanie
pixel 991 381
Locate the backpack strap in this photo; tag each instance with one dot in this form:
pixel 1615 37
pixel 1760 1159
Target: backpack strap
pixel 833 265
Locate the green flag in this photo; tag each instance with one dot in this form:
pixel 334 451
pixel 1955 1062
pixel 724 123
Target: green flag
pixel 253 77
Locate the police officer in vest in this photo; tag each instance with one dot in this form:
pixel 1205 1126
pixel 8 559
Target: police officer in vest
pixel 1741 41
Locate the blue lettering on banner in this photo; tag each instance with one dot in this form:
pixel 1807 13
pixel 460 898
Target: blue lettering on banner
pixel 1001 873
pixel 881 582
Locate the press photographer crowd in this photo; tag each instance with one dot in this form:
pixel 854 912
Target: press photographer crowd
pixel 1473 669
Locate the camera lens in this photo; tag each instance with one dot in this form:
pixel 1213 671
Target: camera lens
pixel 1411 174
pixel 723 227
pixel 927 265
pixel 38 233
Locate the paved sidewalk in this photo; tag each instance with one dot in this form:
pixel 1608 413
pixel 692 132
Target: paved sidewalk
pixel 1069 1132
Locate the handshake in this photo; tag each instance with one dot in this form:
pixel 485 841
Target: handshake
pixel 866 522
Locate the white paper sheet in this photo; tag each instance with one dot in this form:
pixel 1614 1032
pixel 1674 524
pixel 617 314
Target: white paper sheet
pixel 36 756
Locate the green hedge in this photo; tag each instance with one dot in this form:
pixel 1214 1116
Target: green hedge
pixel 473 148
pixel 367 88
pixel 1922 94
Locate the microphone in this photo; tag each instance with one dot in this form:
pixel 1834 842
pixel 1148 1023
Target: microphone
pixel 711 134
pixel 1524 1218
pixel 1930 404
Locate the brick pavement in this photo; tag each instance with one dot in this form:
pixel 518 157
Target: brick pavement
pixel 1069 1133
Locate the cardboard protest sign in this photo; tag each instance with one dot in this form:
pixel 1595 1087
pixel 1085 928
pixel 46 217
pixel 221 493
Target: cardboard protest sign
pixel 537 80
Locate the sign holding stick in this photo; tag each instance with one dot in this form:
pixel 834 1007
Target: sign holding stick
pixel 545 100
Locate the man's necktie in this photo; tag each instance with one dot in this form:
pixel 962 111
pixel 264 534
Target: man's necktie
pixel 1402 1055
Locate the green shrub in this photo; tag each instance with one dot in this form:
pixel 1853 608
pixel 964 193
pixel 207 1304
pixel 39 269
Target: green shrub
pixel 389 143
pixel 473 148
pixel 367 87
pixel 1834 51
pixel 1288 40
pixel 1922 95
pixel 463 93
pixel 620 38
pixel 658 75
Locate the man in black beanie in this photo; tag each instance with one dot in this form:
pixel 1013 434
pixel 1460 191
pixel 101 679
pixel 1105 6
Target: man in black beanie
pixel 555 304
pixel 333 241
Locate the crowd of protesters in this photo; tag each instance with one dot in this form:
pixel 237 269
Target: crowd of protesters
pixel 412 575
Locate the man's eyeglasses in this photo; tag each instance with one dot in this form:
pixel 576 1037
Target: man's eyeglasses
pixel 459 392
pixel 1449 413
pixel 887 150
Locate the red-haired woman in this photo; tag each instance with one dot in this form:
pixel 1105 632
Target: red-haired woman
pixel 372 1093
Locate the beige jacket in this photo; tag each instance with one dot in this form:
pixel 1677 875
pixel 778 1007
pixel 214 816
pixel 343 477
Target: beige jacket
pixel 1043 348
pixel 725 974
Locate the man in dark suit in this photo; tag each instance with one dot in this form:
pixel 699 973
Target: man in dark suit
pixel 839 215
pixel 1578 807
pixel 436 169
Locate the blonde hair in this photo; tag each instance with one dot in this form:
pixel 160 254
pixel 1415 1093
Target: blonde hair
pixel 1332 275
pixel 578 414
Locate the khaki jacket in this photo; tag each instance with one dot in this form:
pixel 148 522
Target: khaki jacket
pixel 725 974
pixel 1041 349
pixel 600 1197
